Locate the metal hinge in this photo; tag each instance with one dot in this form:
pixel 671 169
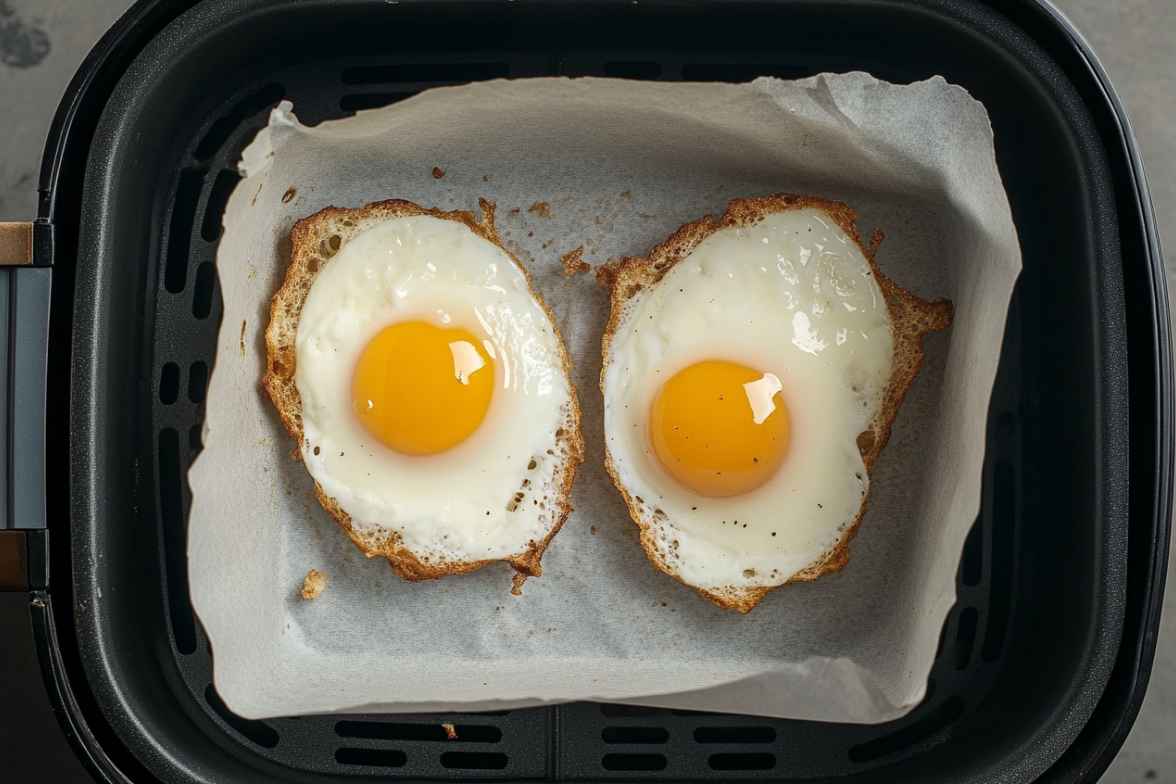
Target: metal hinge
pixel 26 276
pixel 26 243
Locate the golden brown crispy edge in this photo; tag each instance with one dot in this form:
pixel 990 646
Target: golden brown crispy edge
pixel 911 317
pixel 314 241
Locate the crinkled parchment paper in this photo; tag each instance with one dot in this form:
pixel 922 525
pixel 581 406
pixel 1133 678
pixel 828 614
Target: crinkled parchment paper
pixel 618 165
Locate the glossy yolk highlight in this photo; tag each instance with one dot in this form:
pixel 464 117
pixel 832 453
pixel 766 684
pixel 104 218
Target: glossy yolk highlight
pixel 720 428
pixel 422 389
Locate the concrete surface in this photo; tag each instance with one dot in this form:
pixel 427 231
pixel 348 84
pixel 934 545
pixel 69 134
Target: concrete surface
pixel 43 41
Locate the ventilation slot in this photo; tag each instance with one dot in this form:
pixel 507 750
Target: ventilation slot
pixel 378 730
pixel 223 128
pixel 936 721
pixel 197 381
pixel 629 711
pixel 739 72
pixel 1001 561
pixel 972 564
pixel 633 70
pixel 424 72
pixel 360 101
pixel 183 217
pixel 202 291
pixel 256 731
pixel 742 761
pixel 218 198
pixel 171 502
pixel 473 760
pixel 372 758
pixel 965 638
pixel 735 734
pixel 635 735
pixel 633 762
pixel 169 383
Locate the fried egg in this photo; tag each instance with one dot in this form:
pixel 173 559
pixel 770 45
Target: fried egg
pixel 433 405
pixel 747 366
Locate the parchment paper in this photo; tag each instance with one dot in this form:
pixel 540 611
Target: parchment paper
pixel 619 165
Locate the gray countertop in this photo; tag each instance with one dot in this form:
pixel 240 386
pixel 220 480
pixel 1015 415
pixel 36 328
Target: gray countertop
pixel 43 41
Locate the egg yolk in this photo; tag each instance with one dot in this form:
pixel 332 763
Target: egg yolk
pixel 720 428
pixel 422 389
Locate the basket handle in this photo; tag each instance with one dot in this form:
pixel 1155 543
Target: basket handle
pixel 25 284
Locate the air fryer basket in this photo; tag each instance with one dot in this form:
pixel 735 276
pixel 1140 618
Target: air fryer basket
pixel 1053 605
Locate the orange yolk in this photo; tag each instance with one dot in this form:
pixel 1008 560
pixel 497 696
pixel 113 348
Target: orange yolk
pixel 422 389
pixel 720 428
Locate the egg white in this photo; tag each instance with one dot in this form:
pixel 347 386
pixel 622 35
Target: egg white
pixel 460 505
pixel 791 295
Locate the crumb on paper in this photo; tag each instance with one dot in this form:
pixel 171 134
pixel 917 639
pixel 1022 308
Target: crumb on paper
pixel 450 731
pixel 514 211
pixel 516 584
pixel 592 530
pixel 540 208
pixel 314 584
pixel 289 195
pixel 438 172
pixel 626 194
pixel 242 338
pixel 485 178
pixel 573 262
pixel 253 201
